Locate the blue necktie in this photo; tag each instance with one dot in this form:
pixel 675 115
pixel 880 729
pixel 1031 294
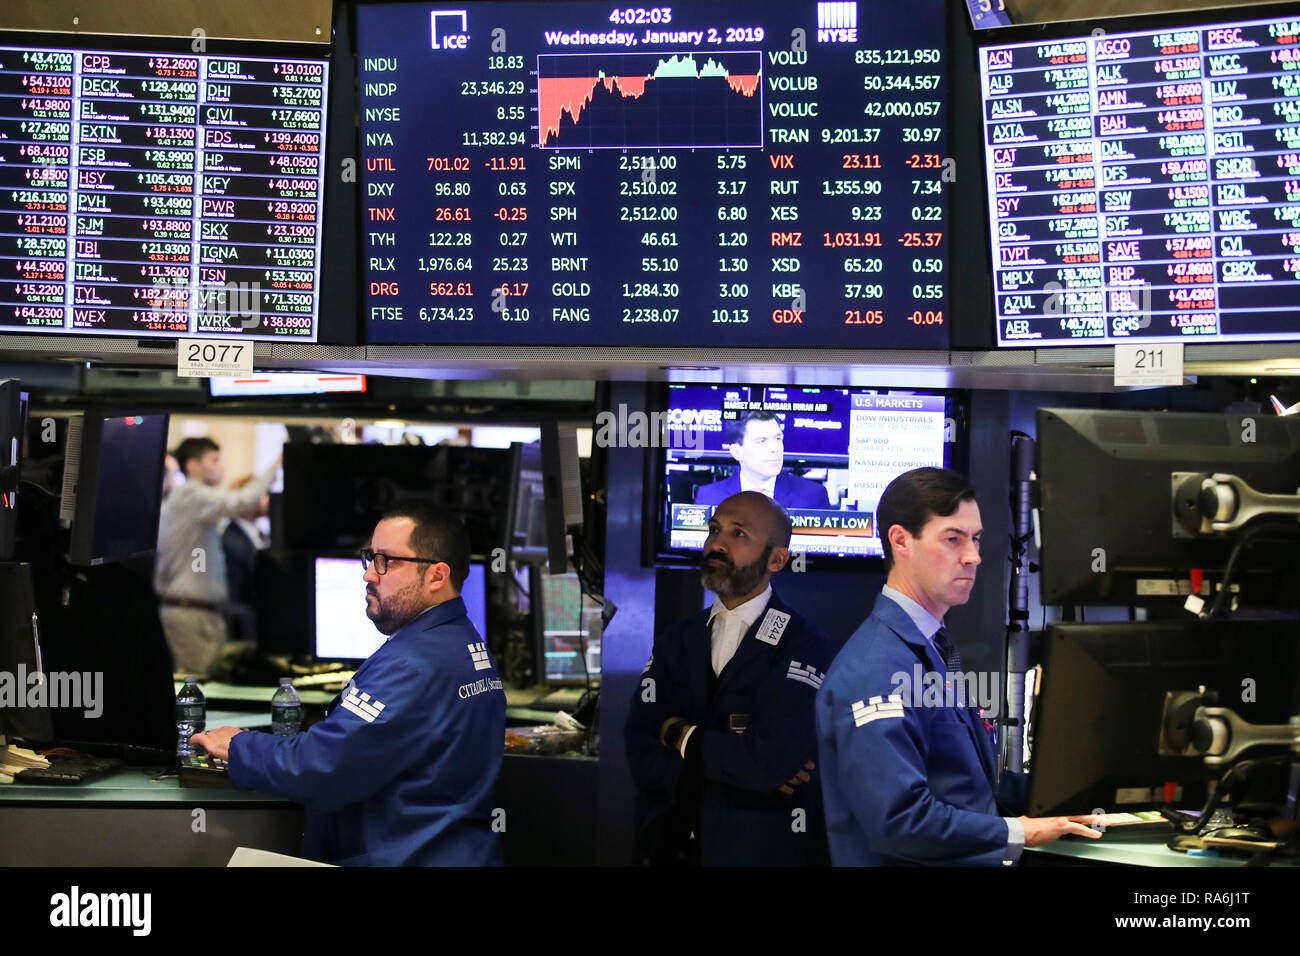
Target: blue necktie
pixel 947 650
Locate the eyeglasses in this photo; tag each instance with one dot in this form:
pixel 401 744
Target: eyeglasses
pixel 381 561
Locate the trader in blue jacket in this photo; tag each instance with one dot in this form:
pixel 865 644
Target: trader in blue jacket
pixel 401 771
pixel 720 736
pixel 910 777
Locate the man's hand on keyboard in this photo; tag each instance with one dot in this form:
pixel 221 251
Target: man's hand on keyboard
pixel 217 742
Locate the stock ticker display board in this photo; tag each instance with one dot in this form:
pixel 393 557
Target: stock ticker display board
pixel 1146 185
pixel 151 194
pixel 701 174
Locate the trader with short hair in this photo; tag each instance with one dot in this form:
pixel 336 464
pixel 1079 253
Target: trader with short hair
pixel 401 771
pixel 906 783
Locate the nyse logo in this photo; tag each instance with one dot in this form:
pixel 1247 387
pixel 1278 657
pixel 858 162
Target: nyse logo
pixel 448 40
pixel 837 22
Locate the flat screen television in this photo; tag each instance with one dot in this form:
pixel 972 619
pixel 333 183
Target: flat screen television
pixel 826 454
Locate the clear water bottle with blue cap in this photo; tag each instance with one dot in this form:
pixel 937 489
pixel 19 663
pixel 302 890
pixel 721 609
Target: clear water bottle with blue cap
pixel 191 719
pixel 286 710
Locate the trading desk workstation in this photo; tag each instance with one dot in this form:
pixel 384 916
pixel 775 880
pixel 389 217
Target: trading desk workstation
pixel 549 266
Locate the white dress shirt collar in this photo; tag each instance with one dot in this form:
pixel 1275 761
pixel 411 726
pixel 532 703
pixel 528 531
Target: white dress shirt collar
pixel 749 611
pixel 727 628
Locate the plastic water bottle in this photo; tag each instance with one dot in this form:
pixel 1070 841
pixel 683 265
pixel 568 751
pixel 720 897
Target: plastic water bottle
pixel 286 710
pixel 191 718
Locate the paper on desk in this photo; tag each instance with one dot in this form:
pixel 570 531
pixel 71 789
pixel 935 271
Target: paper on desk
pixel 246 856
pixel 14 758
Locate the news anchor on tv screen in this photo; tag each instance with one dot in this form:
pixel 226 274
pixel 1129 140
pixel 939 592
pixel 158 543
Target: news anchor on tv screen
pixel 756 441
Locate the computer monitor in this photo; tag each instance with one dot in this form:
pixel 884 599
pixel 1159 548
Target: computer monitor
pixel 1098 718
pixel 13 413
pixel 562 481
pixel 112 484
pixel 20 656
pixel 342 630
pixel 570 632
pixel 334 495
pixel 1106 521
pixel 528 537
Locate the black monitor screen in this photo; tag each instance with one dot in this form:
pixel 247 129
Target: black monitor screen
pixel 1143 185
pixel 119 497
pixel 1107 508
pixel 1100 713
pixel 13 414
pixel 757 173
pixel 149 194
pixel 19 655
pixel 335 494
pixel 826 454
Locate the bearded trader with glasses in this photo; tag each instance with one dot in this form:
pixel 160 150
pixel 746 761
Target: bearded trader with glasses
pixel 402 769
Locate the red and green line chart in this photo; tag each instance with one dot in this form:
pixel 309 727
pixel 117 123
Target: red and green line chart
pixel 658 100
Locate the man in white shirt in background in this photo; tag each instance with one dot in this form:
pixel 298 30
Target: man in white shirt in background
pixel 190 570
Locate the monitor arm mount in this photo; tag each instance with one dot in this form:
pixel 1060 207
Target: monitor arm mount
pixel 1192 726
pixel 1208 504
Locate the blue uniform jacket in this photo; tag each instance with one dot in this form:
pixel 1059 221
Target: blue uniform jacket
pixel 401 772
pixel 768 687
pixel 901 783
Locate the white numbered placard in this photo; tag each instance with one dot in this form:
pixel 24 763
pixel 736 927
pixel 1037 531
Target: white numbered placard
pixel 1159 363
pixel 204 358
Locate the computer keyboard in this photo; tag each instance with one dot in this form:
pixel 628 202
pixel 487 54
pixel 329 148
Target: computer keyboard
pixel 204 771
pixel 335 679
pixel 564 698
pixel 69 770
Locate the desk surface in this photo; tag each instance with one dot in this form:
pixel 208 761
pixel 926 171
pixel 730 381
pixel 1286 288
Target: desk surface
pixel 1137 849
pixel 516 704
pixel 132 785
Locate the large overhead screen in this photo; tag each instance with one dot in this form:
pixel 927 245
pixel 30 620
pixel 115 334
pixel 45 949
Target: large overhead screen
pixel 700 174
pixel 1146 185
pixel 150 194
